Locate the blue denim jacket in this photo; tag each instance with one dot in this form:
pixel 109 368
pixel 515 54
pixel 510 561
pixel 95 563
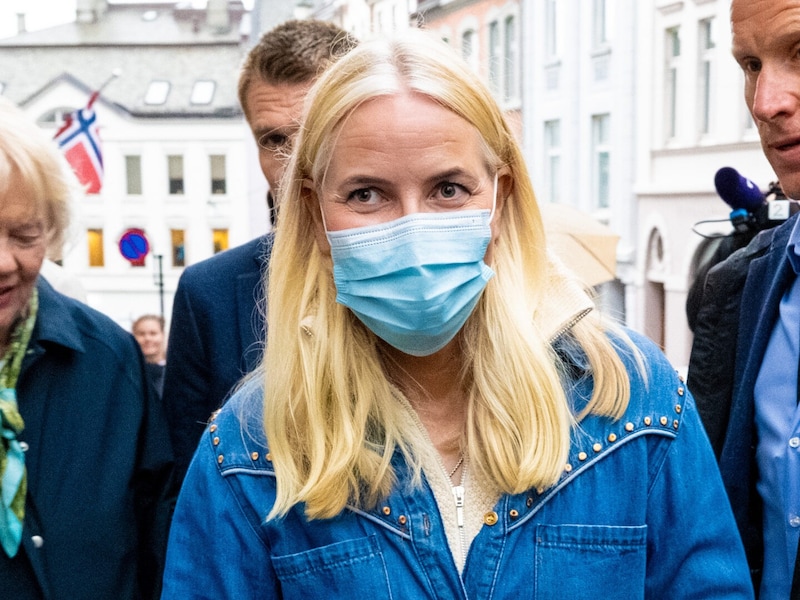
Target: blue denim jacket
pixel 639 512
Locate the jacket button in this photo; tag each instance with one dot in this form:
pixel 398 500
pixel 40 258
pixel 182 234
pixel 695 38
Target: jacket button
pixel 213 428
pixel 582 455
pixel 513 513
pixel 254 455
pixel 568 467
pixel 402 519
pixel 24 446
pixel 678 408
pixel 268 456
pixel 490 518
pixel 612 437
pixel 220 458
pixel 386 510
pixel 680 391
pixel 38 541
pixel 628 427
pixel 648 421
pixel 663 420
pixel 597 447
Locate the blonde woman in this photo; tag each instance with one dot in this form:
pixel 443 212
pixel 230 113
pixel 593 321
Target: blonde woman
pixel 441 413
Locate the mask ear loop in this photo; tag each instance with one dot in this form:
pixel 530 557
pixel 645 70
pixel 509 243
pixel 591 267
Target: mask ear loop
pixel 308 184
pixel 494 198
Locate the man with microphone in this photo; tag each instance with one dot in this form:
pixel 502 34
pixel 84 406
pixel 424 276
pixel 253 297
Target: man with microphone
pixel 743 370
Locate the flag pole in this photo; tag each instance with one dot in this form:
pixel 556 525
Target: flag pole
pixel 114 74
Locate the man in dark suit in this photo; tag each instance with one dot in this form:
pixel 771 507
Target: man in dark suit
pixel 217 331
pixel 743 371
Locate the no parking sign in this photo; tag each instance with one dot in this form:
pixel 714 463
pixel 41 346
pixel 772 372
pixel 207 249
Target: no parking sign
pixel 133 246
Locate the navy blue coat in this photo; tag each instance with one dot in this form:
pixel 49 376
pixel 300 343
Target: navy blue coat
pixel 740 307
pixel 99 462
pixel 216 337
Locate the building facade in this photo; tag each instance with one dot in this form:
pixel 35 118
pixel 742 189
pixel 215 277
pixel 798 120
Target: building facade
pixel 691 120
pixel 579 118
pixel 179 161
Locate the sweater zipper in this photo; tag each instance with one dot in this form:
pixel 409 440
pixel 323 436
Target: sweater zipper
pixel 458 494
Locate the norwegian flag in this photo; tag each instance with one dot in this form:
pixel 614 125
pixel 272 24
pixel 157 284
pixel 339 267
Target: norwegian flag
pixel 79 139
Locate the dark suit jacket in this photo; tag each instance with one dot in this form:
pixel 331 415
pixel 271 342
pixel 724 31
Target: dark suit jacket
pixel 216 337
pixel 99 462
pixel 740 308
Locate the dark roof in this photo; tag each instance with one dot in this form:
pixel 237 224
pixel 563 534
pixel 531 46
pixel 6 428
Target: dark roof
pixel 173 44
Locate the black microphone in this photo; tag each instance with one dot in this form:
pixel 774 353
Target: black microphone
pixel 752 211
pixel 738 192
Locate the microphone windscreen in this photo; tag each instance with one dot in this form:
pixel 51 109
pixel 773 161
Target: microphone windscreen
pixel 738 191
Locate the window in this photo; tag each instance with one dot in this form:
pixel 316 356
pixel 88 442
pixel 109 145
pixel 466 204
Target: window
pixel 203 92
pixel 55 117
pixel 494 56
pixel 551 29
pixel 218 182
pixel 707 43
pixel 599 23
pixel 469 48
pixel 672 53
pixel 175 168
pixel 552 149
pixel 510 59
pixel 220 237
pixel 133 175
pixel 178 248
pixel 157 92
pixel 95 242
pixel 601 157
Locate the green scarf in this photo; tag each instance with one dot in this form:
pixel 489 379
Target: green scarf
pixel 13 476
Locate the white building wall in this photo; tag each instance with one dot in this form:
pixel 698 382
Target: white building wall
pixel 580 80
pixel 675 174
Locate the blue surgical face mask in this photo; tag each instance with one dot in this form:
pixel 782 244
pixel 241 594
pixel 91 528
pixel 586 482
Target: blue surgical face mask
pixel 414 281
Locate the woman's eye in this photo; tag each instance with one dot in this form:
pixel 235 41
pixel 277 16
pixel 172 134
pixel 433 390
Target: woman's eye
pixel 26 238
pixel 364 195
pixel 452 191
pixel 449 190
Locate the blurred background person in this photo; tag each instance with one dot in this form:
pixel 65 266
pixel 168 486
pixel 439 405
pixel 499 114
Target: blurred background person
pixel 85 456
pixel 217 326
pixel 149 332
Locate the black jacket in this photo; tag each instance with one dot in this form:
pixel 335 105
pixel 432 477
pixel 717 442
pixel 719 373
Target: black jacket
pixel 739 310
pixel 100 489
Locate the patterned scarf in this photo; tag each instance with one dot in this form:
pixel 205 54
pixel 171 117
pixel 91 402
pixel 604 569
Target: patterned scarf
pixel 13 475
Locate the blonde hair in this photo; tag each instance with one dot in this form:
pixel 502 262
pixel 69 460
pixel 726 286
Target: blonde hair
pixel 28 154
pixel 332 416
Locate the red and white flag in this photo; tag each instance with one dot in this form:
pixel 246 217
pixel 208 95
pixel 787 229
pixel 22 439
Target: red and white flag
pixel 79 139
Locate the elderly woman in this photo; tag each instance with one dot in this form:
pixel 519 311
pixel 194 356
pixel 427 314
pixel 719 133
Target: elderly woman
pixel 440 412
pixel 85 459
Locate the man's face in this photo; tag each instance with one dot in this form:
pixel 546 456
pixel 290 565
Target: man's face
pixel 766 40
pixel 273 113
